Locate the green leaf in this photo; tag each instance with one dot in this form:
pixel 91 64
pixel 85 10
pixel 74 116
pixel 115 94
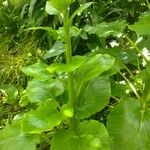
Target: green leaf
pixel 10 93
pixel 67 111
pixel 91 135
pixel 57 49
pixel 43 90
pixel 94 97
pixel 105 29
pixel 50 9
pixel 38 71
pixel 143 25
pixel 74 31
pixel 117 89
pixel 60 68
pixel 80 10
pixel 12 138
pixel 46 117
pixel 129 126
pixel 51 31
pixel 61 5
pixel 94 66
pixel 124 55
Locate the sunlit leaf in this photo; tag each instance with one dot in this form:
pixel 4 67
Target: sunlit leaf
pixel 37 70
pixel 46 117
pixel 10 93
pixel 91 135
pixel 94 66
pixel 143 25
pixel 94 97
pixel 50 9
pixel 61 5
pixel 12 138
pixel 67 111
pixel 60 67
pixel 24 100
pixel 38 91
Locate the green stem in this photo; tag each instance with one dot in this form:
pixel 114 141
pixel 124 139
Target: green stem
pixel 68 51
pixel 132 75
pixel 136 48
pixel 74 122
pixel 148 4
pixel 115 98
pixel 128 70
pixel 131 86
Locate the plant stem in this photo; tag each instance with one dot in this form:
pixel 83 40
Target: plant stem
pixel 136 48
pixel 128 70
pixel 74 122
pixel 131 86
pixel 148 4
pixel 67 38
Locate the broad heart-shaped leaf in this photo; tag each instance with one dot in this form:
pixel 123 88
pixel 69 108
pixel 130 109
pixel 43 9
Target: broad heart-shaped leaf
pixel 59 67
pixel 94 97
pixel 38 91
pixel 143 25
pixel 61 5
pixel 57 49
pixel 91 135
pixel 46 117
pixel 12 138
pixel 129 127
pixel 104 29
pixel 94 66
pixel 10 93
pixel 38 71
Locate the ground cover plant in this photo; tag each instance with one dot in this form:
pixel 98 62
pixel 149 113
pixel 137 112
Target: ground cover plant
pixel 84 96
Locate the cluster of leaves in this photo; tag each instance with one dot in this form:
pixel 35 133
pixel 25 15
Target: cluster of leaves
pixel 63 96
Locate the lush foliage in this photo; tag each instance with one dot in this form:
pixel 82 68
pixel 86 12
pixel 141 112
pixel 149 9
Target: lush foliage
pixel 90 90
